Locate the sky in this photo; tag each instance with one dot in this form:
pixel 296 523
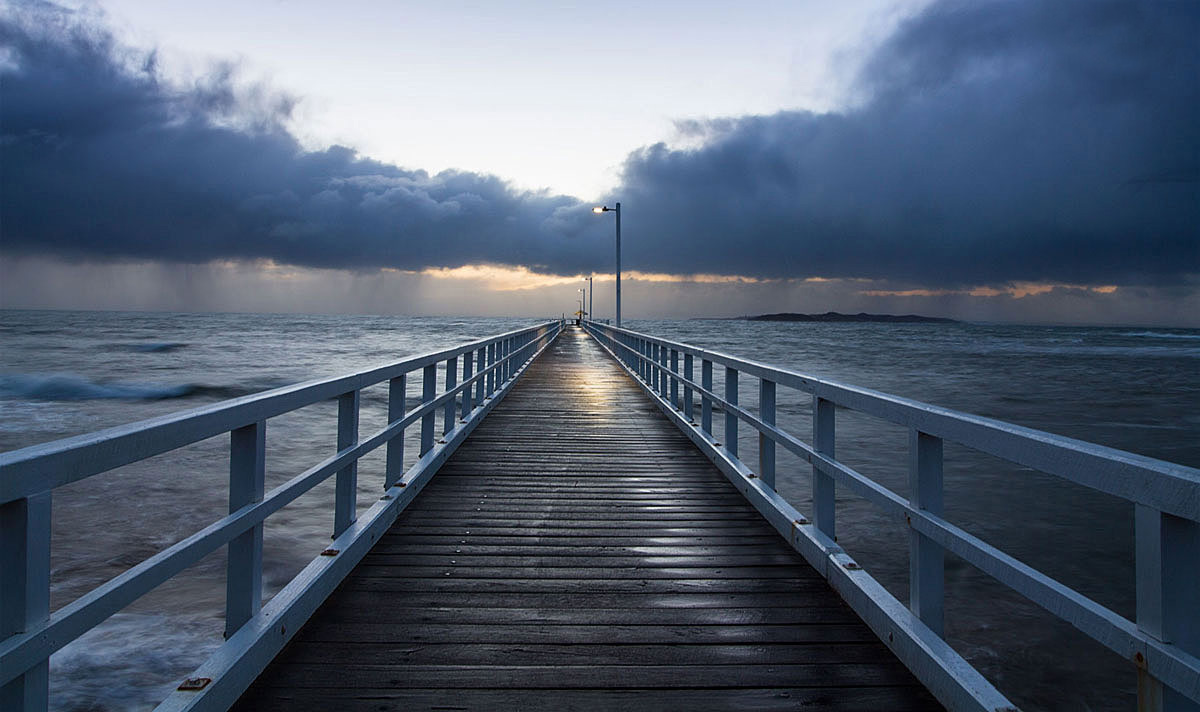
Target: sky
pixel 1004 160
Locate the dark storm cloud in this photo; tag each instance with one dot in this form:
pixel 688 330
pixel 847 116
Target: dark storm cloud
pixel 103 158
pixel 990 142
pixel 993 142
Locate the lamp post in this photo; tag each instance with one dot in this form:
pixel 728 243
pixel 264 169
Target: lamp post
pixel 617 210
pixel 591 292
pixel 583 296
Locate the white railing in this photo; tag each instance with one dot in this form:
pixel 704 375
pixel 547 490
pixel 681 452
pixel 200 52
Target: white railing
pixel 29 633
pixel 1164 641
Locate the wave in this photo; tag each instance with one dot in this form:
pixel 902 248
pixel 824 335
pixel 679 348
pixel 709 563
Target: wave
pixel 1100 350
pixel 70 387
pixel 1160 335
pixel 157 348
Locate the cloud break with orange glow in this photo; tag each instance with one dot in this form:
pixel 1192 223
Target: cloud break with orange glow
pixel 1016 291
pixel 505 278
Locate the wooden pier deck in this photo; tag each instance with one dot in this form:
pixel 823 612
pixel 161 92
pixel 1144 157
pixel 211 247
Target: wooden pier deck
pixel 578 552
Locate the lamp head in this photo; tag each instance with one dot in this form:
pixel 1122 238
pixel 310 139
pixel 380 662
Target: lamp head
pixel 599 210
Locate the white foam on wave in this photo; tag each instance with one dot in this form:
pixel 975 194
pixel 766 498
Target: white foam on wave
pixel 1160 335
pixel 162 649
pixel 71 387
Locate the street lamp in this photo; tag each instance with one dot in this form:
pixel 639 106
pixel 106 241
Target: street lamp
pixel 617 210
pixel 583 295
pixel 591 292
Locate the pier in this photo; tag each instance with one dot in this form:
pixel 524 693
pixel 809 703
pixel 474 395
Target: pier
pixel 578 552
pixel 578 531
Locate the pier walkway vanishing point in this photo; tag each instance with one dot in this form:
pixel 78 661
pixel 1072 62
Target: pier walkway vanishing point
pixel 595 543
pixel 578 552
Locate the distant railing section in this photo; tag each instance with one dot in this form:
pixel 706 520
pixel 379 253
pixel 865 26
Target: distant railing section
pixel 1163 643
pixel 29 634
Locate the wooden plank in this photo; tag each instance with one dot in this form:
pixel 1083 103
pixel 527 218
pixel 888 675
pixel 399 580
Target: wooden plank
pixel 484 561
pixel 666 522
pixel 633 573
pixel 387 699
pixel 355 608
pixel 533 499
pixel 321 631
pixel 809 596
pixel 455 585
pixel 579 547
pixel 748 529
pixel 601 654
pixel 577 552
pixel 671 677
pixel 414 539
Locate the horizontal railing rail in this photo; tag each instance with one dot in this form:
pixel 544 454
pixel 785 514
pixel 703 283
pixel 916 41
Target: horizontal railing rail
pixel 1163 643
pixel 29 633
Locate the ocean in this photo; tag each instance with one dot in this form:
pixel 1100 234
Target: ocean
pixel 1133 388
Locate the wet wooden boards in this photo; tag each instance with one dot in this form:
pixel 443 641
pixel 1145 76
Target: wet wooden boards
pixel 577 552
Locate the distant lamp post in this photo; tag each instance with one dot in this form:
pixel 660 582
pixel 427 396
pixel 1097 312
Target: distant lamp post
pixel 617 210
pixel 591 292
pixel 582 302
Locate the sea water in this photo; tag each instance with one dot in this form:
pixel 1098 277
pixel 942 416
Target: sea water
pixel 66 373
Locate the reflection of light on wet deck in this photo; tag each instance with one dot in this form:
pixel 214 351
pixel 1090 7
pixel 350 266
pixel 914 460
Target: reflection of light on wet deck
pixel 593 376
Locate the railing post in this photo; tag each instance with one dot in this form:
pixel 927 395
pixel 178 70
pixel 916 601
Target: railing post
pixel 491 362
pixel 468 371
pixel 643 362
pixel 654 367
pixel 243 570
pixel 502 369
pixel 1167 549
pixel 706 383
pixel 663 375
pixel 481 384
pixel 766 446
pixel 452 404
pixel 25 591
pixel 345 506
pixel 731 420
pixel 428 393
pixel 397 406
pixel 926 558
pixel 688 410
pixel 824 492
pixel 507 368
pixel 675 378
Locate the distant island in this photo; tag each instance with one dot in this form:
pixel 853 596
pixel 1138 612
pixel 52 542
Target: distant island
pixel 859 317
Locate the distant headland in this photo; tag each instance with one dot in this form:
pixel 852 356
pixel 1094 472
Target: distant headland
pixel 859 317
